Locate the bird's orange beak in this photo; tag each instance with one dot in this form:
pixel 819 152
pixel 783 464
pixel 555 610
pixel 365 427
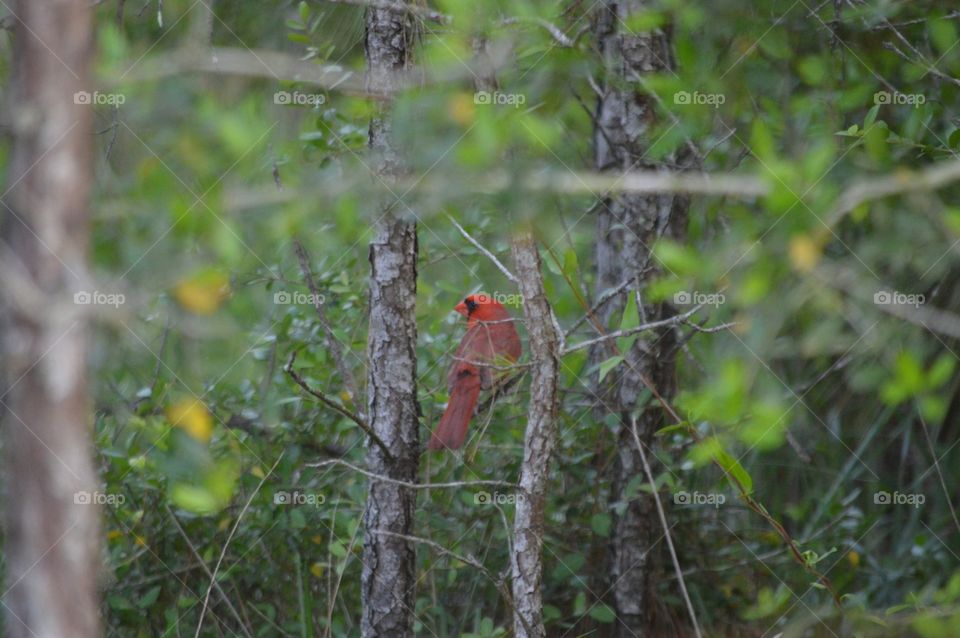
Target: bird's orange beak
pixel 461 308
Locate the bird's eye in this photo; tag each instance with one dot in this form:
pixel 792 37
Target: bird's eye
pixel 470 303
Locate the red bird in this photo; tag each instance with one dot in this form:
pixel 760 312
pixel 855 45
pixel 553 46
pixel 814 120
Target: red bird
pixel 491 339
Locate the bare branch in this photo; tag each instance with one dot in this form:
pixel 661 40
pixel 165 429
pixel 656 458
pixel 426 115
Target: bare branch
pixel 555 32
pixel 408 484
pixel 334 405
pixel 506 272
pixel 226 544
pixel 670 321
pixel 333 344
pixel 666 527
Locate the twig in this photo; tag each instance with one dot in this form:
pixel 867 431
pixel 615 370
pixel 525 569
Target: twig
pixel 203 564
pixel 509 275
pixel 666 528
pixel 870 189
pixel 333 405
pixel 223 552
pixel 669 321
pixel 604 298
pixel 333 344
pixel 407 484
pixel 555 32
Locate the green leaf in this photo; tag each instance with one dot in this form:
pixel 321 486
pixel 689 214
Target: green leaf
pixel 603 613
pixel 609 365
pixel 600 524
pixel 149 598
pixel 732 466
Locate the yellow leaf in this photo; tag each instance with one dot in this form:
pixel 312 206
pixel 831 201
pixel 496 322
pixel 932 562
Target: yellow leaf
pixel 804 253
pixel 257 471
pixel 317 569
pixel 854 559
pixel 461 109
pixel 140 540
pixel 114 534
pixel 317 539
pixel 193 417
pixel 203 292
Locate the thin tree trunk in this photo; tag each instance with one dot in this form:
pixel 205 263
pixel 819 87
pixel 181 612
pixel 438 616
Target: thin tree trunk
pixel 628 225
pixel 52 530
pixel 389 569
pixel 528 525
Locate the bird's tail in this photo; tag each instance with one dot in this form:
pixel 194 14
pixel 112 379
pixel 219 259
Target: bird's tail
pixel 452 429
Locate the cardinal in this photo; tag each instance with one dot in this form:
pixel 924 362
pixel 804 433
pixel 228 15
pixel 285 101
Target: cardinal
pixel 491 339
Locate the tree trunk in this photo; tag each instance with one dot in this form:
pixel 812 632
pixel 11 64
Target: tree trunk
pixel 628 225
pixel 52 531
pixel 528 524
pixel 389 570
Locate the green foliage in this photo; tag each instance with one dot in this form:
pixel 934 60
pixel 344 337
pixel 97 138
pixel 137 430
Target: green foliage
pixel 202 181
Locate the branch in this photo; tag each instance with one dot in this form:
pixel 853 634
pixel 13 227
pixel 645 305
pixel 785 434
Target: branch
pixel 666 528
pixel 490 255
pixel 555 32
pixel 223 552
pixel 332 343
pixel 333 405
pixel 670 321
pixel 413 486
pixel 902 181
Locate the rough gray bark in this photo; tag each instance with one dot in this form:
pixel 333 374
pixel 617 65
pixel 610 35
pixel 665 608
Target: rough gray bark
pixel 51 546
pixel 528 525
pixel 389 576
pixel 628 225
